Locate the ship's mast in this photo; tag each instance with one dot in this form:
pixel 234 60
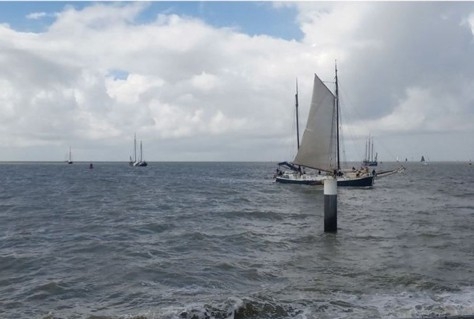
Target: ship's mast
pixel 337 121
pixel 297 121
pixel 141 152
pixel 135 148
pixel 372 151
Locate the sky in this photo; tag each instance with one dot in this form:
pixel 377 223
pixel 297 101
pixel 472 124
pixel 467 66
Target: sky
pixel 215 81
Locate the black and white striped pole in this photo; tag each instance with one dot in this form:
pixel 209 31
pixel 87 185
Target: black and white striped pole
pixel 330 204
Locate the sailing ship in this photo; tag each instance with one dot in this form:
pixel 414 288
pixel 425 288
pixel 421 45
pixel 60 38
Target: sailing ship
pixel 69 160
pixel 423 160
pixel 370 159
pixel 141 162
pixel 135 162
pixel 319 149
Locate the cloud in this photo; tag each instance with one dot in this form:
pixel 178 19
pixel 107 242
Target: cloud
pixel 99 74
pixel 405 68
pixel 36 15
pixel 179 78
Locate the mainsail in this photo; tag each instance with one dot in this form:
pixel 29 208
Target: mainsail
pixel 318 147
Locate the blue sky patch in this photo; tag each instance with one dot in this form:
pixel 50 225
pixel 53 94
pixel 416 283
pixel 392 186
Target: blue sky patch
pixel 252 18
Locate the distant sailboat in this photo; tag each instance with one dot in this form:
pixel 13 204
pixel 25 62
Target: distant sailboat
pixel 69 160
pixel 135 162
pixel 141 162
pixel 370 160
pixel 423 161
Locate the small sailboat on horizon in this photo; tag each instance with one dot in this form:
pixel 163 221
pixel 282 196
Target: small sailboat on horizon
pixel 135 162
pixel 69 160
pixel 423 161
pixel 369 159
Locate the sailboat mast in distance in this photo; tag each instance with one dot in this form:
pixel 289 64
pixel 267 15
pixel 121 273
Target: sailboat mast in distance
pixel 141 152
pixel 297 121
pixel 366 150
pixel 337 120
pixel 69 161
pixel 135 148
pixel 137 161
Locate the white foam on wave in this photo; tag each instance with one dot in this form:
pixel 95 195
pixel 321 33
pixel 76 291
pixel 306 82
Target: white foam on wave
pixel 420 304
pixel 341 306
pixel 390 306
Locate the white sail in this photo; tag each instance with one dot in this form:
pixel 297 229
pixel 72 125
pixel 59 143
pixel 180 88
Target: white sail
pixel 69 160
pixel 318 147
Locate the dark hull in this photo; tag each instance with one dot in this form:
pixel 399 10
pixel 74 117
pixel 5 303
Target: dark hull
pixel 138 164
pixel 366 181
pixel 369 163
pixel 142 164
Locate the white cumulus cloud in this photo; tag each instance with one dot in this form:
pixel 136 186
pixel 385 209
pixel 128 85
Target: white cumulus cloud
pixel 192 91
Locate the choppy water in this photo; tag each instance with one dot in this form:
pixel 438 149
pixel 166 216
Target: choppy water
pixel 222 240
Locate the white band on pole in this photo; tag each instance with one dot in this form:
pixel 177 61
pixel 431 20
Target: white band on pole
pixel 330 186
pixel 330 204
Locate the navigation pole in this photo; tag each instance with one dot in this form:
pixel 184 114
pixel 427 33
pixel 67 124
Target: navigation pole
pixel 330 183
pixel 330 204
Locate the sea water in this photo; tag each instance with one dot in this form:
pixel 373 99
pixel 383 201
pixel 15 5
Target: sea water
pixel 223 240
